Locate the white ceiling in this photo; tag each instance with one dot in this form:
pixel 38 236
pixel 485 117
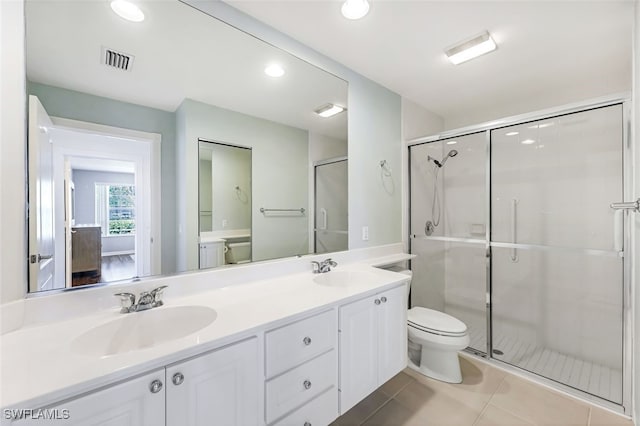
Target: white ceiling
pixel 179 53
pixel 550 52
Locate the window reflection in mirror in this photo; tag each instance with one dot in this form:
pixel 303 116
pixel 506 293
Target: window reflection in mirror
pixel 179 87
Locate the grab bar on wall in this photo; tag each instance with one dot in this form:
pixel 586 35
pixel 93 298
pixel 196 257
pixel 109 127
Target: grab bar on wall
pixel 263 210
pixel 514 239
pixel 323 212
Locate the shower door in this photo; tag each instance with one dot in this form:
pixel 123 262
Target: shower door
pixel 331 204
pixel 556 249
pixel 449 230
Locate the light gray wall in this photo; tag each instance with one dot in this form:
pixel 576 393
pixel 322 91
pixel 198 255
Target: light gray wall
pixel 94 109
pixel 85 205
pixel 279 178
pixel 418 121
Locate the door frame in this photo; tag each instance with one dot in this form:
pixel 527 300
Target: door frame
pixel 146 156
pixel 629 228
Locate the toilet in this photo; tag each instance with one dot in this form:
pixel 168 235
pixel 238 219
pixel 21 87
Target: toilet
pixel 238 252
pixel 434 341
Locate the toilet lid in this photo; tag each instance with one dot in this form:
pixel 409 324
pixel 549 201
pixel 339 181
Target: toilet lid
pixel 435 322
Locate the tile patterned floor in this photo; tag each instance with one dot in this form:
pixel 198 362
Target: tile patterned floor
pixel 486 397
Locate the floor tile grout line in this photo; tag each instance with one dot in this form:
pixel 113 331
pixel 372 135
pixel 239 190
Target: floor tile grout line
pixel 475 422
pixel 389 398
pixel 589 416
pixel 375 411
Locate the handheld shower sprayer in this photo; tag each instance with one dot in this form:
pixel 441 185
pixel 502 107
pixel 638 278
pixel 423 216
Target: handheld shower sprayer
pixel 440 164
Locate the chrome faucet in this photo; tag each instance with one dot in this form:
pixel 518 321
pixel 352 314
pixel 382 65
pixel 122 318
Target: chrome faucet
pixel 147 300
pixel 324 266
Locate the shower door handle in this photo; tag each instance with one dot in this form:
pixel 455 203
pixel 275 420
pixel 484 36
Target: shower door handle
pixel 618 237
pixel 514 238
pixel 629 205
pixel 323 213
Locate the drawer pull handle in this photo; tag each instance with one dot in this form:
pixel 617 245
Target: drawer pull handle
pixel 377 301
pixel 306 384
pixel 155 386
pixel 383 299
pixel 307 423
pixel 177 379
pixel 307 341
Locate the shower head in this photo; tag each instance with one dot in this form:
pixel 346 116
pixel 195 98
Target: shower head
pixel 450 154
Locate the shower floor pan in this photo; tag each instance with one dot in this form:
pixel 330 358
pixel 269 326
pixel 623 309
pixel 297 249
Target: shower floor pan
pixel 596 379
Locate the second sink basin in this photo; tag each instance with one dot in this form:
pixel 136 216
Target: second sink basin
pixel 141 330
pixel 343 278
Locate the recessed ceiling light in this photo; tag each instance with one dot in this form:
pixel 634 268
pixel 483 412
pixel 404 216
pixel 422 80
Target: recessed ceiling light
pixel 355 9
pixel 512 133
pixel 274 70
pixel 527 142
pixel 452 142
pixel 329 110
pixel 127 10
pixel 471 48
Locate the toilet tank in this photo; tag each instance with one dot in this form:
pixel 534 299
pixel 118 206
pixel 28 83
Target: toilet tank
pixel 238 252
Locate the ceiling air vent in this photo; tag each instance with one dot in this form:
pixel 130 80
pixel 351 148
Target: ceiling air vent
pixel 115 59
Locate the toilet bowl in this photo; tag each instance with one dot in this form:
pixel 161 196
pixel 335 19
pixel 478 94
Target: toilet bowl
pixel 434 341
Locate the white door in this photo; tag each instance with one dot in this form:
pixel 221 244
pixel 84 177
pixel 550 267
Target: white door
pixel 392 333
pixel 358 351
pixel 219 388
pixel 129 403
pixel 41 216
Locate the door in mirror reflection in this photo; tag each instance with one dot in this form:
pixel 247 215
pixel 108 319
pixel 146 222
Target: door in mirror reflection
pixel 224 199
pixel 41 220
pixel 331 201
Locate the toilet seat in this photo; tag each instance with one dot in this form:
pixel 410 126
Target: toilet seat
pixel 435 322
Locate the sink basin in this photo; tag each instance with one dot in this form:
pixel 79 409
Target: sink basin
pixel 144 329
pixel 344 278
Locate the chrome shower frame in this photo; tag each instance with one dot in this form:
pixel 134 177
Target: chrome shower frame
pixel 628 228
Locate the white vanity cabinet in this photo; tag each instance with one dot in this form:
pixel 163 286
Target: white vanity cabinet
pixel 218 388
pixel 302 372
pixel 373 343
pixel 139 401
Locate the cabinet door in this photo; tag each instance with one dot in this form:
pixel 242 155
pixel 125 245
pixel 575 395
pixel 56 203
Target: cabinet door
pixel 358 351
pixel 392 333
pixel 218 388
pixel 126 404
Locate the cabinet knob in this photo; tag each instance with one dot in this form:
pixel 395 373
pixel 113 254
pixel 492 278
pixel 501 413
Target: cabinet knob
pixel 307 423
pixel 155 386
pixel 377 301
pixel 307 341
pixel 383 299
pixel 306 384
pixel 177 379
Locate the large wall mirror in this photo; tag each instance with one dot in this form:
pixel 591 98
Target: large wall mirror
pixel 173 144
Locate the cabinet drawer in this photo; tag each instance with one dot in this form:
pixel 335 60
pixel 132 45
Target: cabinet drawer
pixel 295 343
pixel 319 412
pixel 294 388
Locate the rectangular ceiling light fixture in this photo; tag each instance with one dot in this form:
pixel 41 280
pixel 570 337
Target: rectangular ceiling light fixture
pixel 471 48
pixel 329 110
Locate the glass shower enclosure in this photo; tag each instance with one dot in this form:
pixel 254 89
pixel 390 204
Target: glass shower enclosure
pixel 515 237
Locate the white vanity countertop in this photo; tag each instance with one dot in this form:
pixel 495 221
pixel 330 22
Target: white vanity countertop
pixel 39 367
